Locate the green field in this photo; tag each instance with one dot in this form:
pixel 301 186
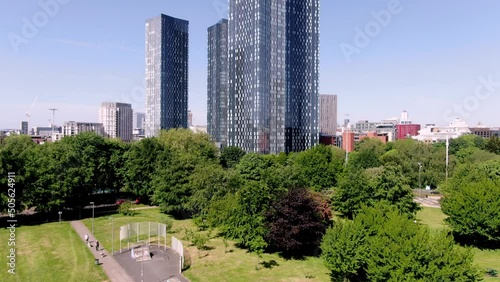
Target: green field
pixel 49 252
pixel 434 218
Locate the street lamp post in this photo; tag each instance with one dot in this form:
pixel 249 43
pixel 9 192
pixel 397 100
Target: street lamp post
pixel 60 213
pixel 419 182
pixel 92 203
pixel 112 236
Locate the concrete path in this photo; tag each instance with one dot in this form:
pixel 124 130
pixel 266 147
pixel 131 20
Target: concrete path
pixel 112 269
pixel 432 202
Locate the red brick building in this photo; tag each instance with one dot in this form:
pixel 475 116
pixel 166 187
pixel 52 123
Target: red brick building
pixel 405 130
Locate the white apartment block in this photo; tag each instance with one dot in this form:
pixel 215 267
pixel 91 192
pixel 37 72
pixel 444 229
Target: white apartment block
pixel 71 128
pixel 117 120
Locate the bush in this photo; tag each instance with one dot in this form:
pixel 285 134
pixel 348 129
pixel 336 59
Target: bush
pixel 492 272
pixel 125 208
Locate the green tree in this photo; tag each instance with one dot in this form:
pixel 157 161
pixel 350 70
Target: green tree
pixel 368 187
pixel 321 166
pixel 493 145
pixel 231 156
pixel 367 154
pixel 210 183
pixel 473 210
pixel 344 251
pixel 474 155
pixel 408 153
pixel 381 244
pixel 466 141
pixel 253 166
pixel 141 161
pixel 14 151
pixel 246 220
pixel 184 152
pixel 352 191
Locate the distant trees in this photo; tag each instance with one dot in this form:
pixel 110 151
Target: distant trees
pixel 381 244
pixel 493 145
pixel 65 173
pixel 230 156
pixel 14 151
pixel 357 188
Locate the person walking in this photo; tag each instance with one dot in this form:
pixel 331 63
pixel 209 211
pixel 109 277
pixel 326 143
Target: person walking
pixel 97 245
pixel 87 239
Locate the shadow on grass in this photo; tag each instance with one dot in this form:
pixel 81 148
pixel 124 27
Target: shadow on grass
pixel 475 241
pixel 269 264
pixel 208 248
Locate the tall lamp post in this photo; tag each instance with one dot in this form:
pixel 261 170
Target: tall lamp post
pixel 112 236
pixel 60 213
pixel 419 182
pixel 92 203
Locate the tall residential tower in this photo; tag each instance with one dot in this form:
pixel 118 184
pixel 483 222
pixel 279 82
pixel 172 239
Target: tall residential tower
pixel 273 75
pixel 217 82
pixel 166 74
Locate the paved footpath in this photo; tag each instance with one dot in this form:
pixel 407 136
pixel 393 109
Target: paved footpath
pixel 112 269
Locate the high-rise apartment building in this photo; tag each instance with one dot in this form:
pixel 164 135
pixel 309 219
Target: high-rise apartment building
pixel 24 127
pixel 217 82
pixel 116 119
pixel 328 114
pixel 273 75
pixel 166 74
pixel 139 119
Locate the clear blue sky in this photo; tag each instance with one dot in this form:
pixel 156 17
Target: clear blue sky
pixel 427 59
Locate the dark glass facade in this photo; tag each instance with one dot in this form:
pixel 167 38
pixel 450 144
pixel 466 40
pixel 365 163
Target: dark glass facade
pixel 167 42
pixel 217 82
pixel 273 75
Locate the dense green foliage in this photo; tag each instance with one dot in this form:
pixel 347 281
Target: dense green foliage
pixel 367 187
pixel 472 203
pixel 381 244
pixel 254 198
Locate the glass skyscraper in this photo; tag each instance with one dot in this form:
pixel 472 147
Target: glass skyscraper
pixel 273 75
pixel 217 82
pixel 166 74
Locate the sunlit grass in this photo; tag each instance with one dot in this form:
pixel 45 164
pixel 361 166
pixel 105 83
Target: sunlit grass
pixel 49 252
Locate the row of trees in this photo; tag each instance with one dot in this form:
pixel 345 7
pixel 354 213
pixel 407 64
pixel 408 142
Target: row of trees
pixel 279 202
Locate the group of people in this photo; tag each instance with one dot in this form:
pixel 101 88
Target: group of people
pixel 90 244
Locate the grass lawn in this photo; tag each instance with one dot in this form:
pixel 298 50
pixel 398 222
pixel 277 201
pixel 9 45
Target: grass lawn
pixel 49 252
pixel 216 264
pixel 434 218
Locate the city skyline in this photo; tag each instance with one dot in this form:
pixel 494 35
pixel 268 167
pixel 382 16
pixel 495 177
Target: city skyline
pixel 430 68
